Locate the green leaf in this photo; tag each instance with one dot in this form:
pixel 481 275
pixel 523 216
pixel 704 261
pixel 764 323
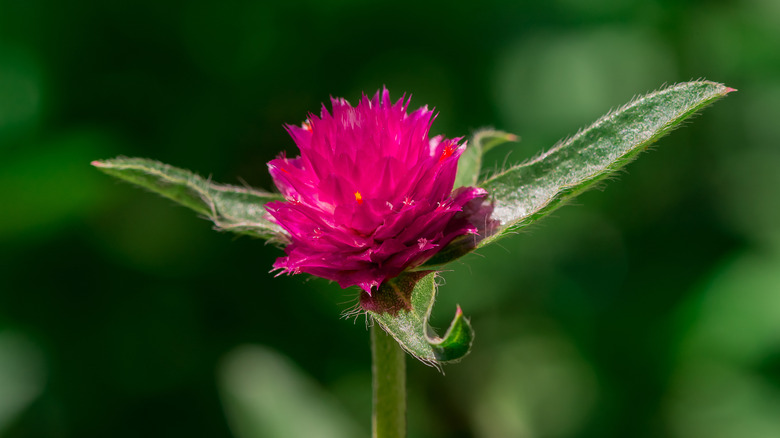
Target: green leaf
pixel 470 162
pixel 237 209
pixel 525 193
pixel 402 307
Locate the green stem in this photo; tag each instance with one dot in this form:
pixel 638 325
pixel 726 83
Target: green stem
pixel 389 370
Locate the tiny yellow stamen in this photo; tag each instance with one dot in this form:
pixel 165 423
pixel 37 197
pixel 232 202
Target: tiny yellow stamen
pixel 358 198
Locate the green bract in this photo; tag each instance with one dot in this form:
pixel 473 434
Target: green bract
pixel 402 307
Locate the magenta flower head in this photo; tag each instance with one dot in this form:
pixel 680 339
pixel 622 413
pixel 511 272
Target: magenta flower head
pixel 371 195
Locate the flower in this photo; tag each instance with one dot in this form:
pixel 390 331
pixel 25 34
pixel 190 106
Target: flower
pixel 371 195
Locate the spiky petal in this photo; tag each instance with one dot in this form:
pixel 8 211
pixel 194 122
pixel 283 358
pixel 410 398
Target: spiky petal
pixel 371 195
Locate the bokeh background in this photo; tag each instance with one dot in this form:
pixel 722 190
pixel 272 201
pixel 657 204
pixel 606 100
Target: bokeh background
pixel 650 308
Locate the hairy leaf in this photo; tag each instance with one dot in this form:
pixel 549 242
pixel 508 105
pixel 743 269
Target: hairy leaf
pixel 231 208
pixel 525 193
pixel 402 307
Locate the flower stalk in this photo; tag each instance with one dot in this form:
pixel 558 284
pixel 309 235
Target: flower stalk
pixel 389 386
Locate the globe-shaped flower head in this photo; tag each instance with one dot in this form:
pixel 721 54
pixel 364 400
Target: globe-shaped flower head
pixel 371 195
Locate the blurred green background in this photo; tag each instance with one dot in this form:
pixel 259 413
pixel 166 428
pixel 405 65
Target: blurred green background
pixel 648 309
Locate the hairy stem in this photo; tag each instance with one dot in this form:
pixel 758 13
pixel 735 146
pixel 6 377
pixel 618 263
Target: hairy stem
pixel 389 382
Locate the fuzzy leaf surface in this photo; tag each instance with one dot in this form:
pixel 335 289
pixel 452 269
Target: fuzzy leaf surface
pixel 402 307
pixel 236 209
pixel 527 192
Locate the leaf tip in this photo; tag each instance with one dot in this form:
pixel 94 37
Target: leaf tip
pixel 729 90
pixel 458 311
pixel 98 163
